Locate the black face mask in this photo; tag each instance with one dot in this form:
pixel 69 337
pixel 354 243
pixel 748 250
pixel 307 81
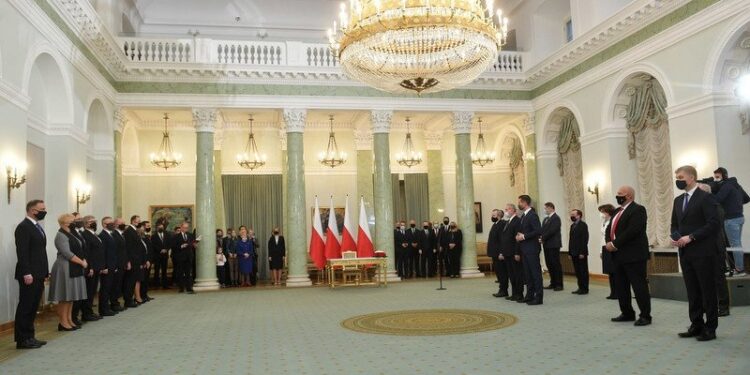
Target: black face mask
pixel 573 219
pixel 160 230
pixel 275 233
pixel 121 227
pixel 110 226
pixel 78 224
pixel 39 215
pixel 453 227
pixel 494 219
pixel 445 222
pixel 681 184
pixel 92 226
pixel 72 226
pixel 413 225
pixel 148 230
pixel 620 200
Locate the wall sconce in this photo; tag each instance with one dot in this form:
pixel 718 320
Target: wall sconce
pixel 594 190
pixel 16 172
pixel 83 195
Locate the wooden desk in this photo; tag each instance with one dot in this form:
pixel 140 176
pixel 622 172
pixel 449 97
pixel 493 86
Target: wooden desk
pixel 380 275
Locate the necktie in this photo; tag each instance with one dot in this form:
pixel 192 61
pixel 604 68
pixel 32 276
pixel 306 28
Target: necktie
pixel 41 230
pixel 685 202
pixel 161 236
pixel 184 237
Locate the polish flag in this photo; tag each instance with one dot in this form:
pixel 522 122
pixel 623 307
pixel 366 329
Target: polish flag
pixel 347 239
pixel 364 239
pixel 317 246
pixel 333 246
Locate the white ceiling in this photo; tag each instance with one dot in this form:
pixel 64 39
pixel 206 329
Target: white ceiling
pixel 280 19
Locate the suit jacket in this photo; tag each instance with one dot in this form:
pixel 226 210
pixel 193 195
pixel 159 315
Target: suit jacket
pixel 508 245
pixel 182 254
pixel 531 230
pixel 276 250
pixel 134 247
pixel 578 241
pixel 31 251
pixel 494 239
pixel 149 256
pixel 455 238
pixel 700 219
pixel 426 241
pixel 109 247
pixel 412 237
pixel 631 239
pixel 122 252
pixel 157 245
pixel 95 251
pixel 76 247
pixel 551 232
pixel 443 236
pixel 400 238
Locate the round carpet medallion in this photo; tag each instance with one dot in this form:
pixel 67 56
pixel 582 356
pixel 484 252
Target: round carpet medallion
pixel 429 322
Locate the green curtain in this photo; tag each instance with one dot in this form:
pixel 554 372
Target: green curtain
pixel 648 107
pixel 516 159
pixel 567 139
pixel 256 202
pixel 399 201
pixel 417 197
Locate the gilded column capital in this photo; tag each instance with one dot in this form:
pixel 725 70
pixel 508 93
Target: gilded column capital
pixel 462 122
pixel 381 121
pixel 294 119
pixel 204 119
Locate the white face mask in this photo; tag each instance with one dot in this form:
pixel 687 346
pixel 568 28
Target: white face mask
pixel 507 216
pixel 604 217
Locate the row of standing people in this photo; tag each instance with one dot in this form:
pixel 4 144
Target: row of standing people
pixel 423 252
pixel 237 257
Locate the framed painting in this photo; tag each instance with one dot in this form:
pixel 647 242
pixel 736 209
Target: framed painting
pixel 478 216
pixel 339 212
pixel 172 215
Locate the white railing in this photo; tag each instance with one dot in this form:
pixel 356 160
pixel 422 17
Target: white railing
pixel 261 53
pixel 157 50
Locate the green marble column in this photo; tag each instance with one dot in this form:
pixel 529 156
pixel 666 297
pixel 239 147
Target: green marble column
pixel 435 175
pixel 465 193
pixel 284 182
pixel 205 201
pixel 220 213
pixel 296 231
pixel 382 195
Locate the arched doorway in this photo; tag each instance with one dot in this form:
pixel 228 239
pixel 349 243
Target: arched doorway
pixel 563 133
pixel 100 166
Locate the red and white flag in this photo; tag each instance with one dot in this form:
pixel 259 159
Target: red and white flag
pixel 333 246
pixel 347 237
pixel 364 239
pixel 317 246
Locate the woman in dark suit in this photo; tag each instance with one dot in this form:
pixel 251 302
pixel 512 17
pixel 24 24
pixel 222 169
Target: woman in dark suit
pixel 67 283
pixel 455 248
pixel 276 255
pixel 608 267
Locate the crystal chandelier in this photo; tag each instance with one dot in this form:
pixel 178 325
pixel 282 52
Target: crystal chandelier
pixel 408 157
pixel 165 157
pixel 480 156
pixel 251 158
pixel 332 157
pixel 402 46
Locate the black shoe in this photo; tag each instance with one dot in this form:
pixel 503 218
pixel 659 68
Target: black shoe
pixel 150 299
pixel 116 308
pixel 550 287
pixel 107 313
pixel 642 322
pixel 691 332
pixel 723 312
pixel 706 335
pixel 611 297
pixel 522 299
pixel 582 292
pixel 63 329
pixel 28 344
pixel 131 304
pixel 534 302
pixel 190 291
pixel 623 318
pixel 40 342
pixel 91 318
pixel 577 291
pixel 500 294
pixel 77 322
pixel 557 288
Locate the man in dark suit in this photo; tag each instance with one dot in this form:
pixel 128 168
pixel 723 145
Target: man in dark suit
pixel 32 269
pixel 402 249
pixel 134 249
pixel 510 253
pixel 551 240
pixel 628 242
pixel 106 275
pixel 493 251
pixel 412 252
pixel 123 265
pixel 160 245
pixel 578 249
pixel 77 232
pixel 528 240
pixel 426 250
pixel 182 259
pixel 95 258
pixel 148 258
pixel 695 224
pixel 442 238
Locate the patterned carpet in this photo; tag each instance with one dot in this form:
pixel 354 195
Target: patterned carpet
pixel 429 322
pixel 299 331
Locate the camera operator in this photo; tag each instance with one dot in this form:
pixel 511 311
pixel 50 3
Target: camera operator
pixel 730 194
